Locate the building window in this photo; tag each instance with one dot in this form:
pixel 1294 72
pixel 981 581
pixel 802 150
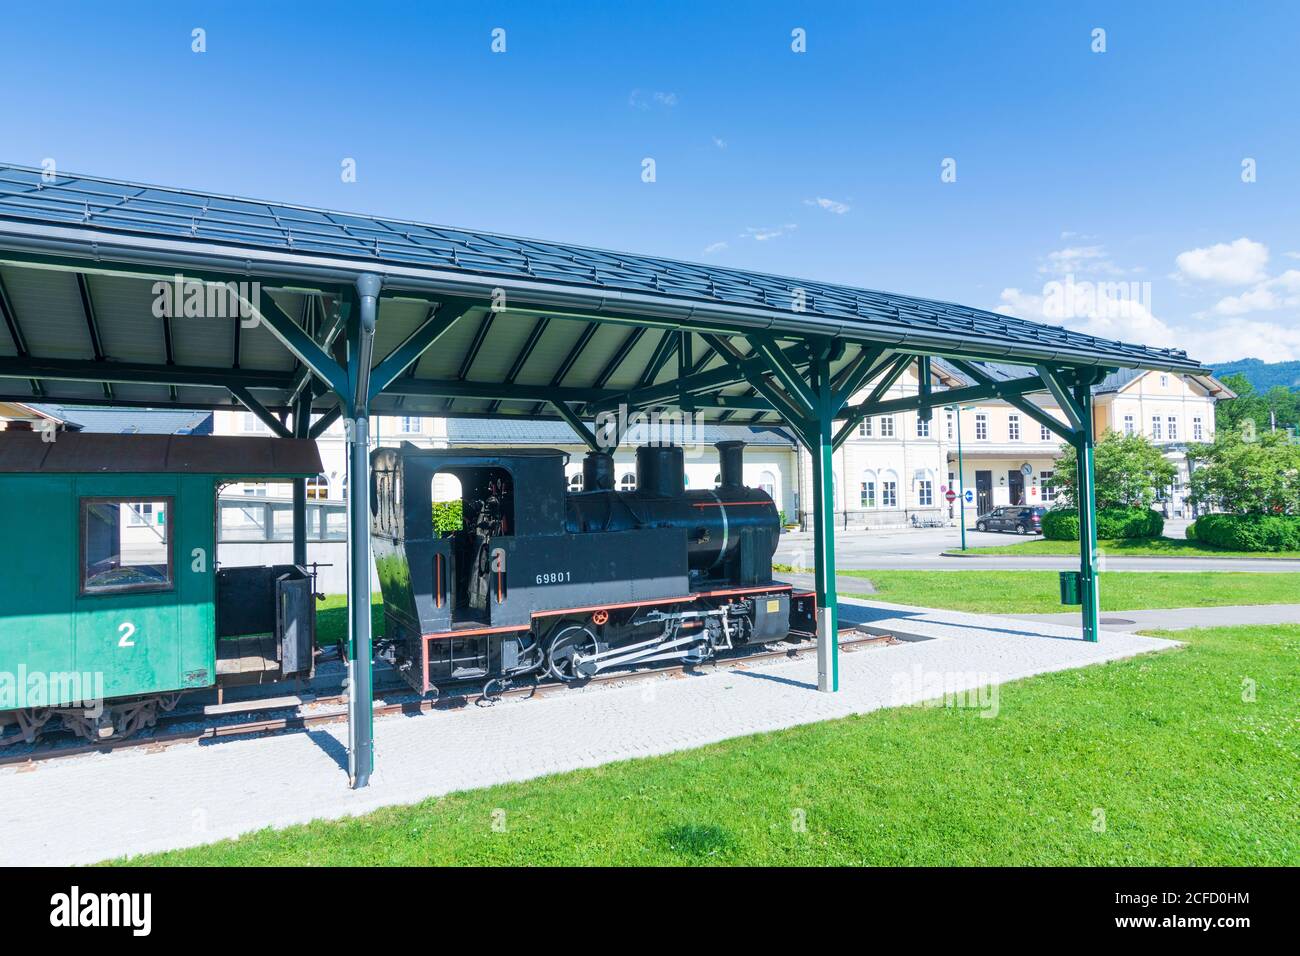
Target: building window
pixel 767 484
pixel 949 416
pixel 575 481
pixel 254 425
pixel 125 545
pixel 1164 381
pixel 925 493
pixel 981 427
pixel 1013 427
pixel 922 428
pixel 1047 485
pixel 318 488
pixel 1173 428
pixel 1155 428
pixel 627 482
pixel 887 426
pixel 889 494
pixel 868 493
pixel 865 428
pixel 1129 428
pixel 1044 433
pixel 410 425
pixel 1197 431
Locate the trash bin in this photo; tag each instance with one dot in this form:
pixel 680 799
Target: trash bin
pixel 1070 587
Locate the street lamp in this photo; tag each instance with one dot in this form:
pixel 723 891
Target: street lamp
pixel 961 473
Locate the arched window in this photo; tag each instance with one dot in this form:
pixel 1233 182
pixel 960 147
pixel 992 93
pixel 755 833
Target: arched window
pixel 869 490
pixel 767 483
pixel 575 481
pixel 627 482
pixel 318 488
pixel 888 489
pixel 925 489
pixel 717 480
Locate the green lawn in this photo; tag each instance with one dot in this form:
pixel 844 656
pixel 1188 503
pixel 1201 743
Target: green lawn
pixel 1125 547
pixel 1161 748
pixel 1038 592
pixel 332 618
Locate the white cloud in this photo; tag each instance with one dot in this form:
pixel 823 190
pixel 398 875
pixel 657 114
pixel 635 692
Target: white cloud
pixel 1130 320
pixel 719 142
pixel 1078 260
pixel 714 247
pixel 1239 262
pixel 1280 292
pixel 830 205
pixel 762 234
pixel 638 100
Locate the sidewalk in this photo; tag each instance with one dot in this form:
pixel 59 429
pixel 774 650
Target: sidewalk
pixel 90 808
pixel 1180 618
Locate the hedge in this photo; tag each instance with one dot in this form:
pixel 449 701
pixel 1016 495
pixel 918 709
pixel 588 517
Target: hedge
pixel 1247 532
pixel 447 516
pixel 1062 524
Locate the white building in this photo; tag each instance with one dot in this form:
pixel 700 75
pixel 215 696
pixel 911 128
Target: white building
pixel 896 467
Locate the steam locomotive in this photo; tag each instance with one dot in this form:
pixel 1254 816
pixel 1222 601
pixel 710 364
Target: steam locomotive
pixel 540 581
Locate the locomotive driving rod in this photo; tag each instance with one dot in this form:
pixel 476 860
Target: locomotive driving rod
pixel 632 654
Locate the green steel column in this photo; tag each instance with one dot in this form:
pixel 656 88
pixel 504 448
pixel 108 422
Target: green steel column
pixel 822 449
pixel 1087 503
pixel 301 426
pixel 361 759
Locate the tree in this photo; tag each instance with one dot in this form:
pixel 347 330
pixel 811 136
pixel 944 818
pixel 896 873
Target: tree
pixel 1129 472
pixel 1257 474
pixel 1278 409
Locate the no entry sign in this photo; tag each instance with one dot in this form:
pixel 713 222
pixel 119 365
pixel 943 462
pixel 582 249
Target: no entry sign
pixel 951 496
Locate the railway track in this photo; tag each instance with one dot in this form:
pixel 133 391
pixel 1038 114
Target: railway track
pixel 333 708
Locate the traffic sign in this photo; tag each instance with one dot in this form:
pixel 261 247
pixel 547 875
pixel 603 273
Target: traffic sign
pixel 970 496
pixel 951 496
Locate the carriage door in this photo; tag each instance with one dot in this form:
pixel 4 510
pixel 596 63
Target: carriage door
pixel 126 622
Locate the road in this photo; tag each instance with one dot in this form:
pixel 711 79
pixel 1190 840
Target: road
pixel 920 549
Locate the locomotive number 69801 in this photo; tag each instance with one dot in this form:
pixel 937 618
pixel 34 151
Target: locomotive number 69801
pixel 554 577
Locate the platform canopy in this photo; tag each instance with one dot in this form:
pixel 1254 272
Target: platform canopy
pixel 115 293
pixel 574 330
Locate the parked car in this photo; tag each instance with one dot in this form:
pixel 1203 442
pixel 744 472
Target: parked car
pixel 1022 519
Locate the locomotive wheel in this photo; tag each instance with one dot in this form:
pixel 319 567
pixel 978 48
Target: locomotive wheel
pixel 569 642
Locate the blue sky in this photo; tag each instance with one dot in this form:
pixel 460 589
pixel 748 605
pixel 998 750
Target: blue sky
pixel 1122 166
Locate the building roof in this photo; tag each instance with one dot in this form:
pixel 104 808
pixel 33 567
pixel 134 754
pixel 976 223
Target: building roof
pixel 235 457
pixel 130 421
pixel 472 431
pixel 1113 382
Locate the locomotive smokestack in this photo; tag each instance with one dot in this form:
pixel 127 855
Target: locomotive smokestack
pixel 731 458
pixel 598 471
pixel 660 470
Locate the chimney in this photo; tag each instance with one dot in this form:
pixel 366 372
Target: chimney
pixel 731 458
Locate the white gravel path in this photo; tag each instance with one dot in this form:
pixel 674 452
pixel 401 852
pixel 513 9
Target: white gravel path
pixel 90 808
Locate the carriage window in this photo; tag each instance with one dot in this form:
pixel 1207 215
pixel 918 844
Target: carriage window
pixel 126 545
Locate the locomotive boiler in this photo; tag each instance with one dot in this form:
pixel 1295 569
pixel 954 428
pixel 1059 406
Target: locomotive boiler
pixel 537 580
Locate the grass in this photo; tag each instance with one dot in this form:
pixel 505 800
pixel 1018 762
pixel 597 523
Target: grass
pixel 1124 547
pixel 1162 747
pixel 1038 592
pixel 332 618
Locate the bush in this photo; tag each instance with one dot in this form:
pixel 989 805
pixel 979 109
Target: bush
pixel 1253 532
pixel 447 516
pixel 1062 524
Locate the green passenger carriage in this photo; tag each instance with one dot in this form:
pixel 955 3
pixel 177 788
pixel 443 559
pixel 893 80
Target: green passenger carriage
pixel 113 603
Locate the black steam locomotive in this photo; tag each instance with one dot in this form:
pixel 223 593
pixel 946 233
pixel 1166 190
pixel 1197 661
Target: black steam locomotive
pixel 541 582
